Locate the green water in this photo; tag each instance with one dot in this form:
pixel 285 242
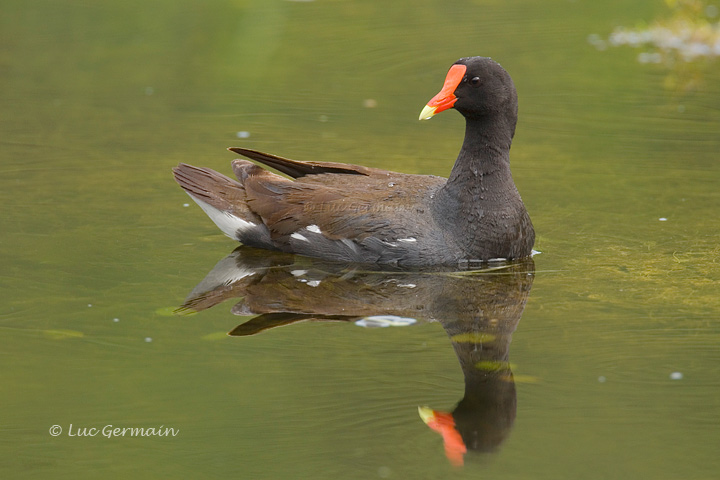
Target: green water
pixel 100 99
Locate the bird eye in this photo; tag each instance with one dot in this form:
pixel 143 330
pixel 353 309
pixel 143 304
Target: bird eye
pixel 475 81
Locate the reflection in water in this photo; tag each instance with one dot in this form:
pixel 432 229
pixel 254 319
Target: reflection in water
pixel 684 41
pixel 689 33
pixel 479 311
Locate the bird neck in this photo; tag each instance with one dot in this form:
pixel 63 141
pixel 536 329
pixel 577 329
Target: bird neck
pixel 482 168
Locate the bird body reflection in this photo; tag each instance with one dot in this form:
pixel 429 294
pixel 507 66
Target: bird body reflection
pixel 479 310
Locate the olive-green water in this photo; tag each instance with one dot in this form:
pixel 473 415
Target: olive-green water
pixel 615 359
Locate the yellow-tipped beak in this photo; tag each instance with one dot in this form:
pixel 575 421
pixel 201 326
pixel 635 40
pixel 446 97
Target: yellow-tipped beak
pixel 426 413
pixel 427 112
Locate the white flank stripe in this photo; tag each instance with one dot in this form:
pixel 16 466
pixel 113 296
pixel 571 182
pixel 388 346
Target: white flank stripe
pixel 313 228
pixel 297 236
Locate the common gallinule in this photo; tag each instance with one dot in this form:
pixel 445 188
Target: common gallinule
pixel 359 214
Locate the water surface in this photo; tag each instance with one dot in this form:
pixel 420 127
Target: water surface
pixel 615 357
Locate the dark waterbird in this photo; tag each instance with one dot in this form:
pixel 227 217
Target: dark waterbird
pixel 359 214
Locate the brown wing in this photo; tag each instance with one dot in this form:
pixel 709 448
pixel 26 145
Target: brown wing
pixel 297 169
pixel 341 206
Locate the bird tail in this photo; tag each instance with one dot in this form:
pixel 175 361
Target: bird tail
pixel 224 201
